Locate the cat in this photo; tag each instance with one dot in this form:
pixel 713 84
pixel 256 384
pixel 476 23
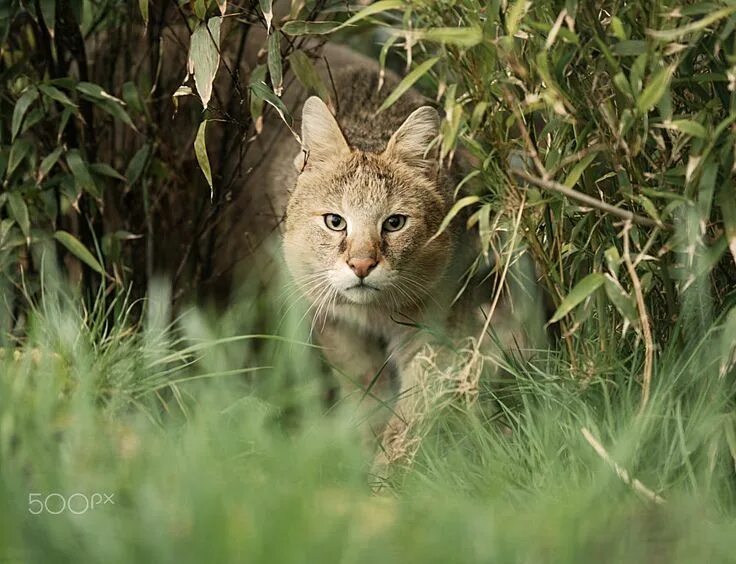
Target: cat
pixel 363 242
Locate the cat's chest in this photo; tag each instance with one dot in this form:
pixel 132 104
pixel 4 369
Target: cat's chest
pixel 372 322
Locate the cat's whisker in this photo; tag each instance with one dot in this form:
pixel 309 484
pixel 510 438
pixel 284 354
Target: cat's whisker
pixel 325 299
pixel 303 289
pixel 420 287
pixel 405 291
pixel 320 290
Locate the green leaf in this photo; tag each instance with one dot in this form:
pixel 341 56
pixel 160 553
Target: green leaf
pixel 623 302
pixel 19 211
pixel 267 9
pixel 262 91
pixel 727 204
pixel 200 8
pixel 256 103
pixel 56 94
pixel 143 7
pixel 629 48
pixel 275 68
pixel 118 112
pixel 132 98
pixel 300 27
pixel 137 164
pixel 204 56
pixel 672 34
pixel 456 209
pixel 580 292
pixel 48 12
pixel 105 169
pixel 375 8
pixel 75 247
pixel 407 82
pixel 728 343
pixel 460 36
pixel 649 207
pixel 200 150
pixel 96 92
pixel 687 126
pixel 307 75
pixel 654 91
pixel 81 173
pixel 18 152
pixel 21 107
pixel 578 170
pixel 48 162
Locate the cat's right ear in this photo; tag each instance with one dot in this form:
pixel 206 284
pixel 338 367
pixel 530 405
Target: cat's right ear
pixel 321 136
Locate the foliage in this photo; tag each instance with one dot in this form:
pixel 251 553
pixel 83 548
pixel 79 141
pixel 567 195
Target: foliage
pixel 609 125
pixel 203 463
pixel 596 138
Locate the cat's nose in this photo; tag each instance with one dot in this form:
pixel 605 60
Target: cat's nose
pixel 362 266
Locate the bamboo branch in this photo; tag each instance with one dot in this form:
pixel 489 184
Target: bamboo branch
pixel 620 472
pixel 644 319
pixel 553 186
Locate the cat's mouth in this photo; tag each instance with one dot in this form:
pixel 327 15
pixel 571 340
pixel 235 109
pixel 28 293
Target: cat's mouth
pixel 361 293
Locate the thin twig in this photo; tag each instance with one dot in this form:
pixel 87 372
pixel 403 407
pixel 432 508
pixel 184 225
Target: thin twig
pixel 588 200
pixel 530 145
pixel 501 284
pixel 646 382
pixel 620 472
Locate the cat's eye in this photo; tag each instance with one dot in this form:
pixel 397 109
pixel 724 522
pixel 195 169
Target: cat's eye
pixel 394 223
pixel 335 222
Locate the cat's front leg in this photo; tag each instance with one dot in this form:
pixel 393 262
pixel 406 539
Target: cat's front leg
pixel 365 375
pixel 400 439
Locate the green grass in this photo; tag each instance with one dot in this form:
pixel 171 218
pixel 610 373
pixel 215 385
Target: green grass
pixel 208 464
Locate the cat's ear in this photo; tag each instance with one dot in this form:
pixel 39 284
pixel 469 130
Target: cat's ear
pixel 321 136
pixel 411 142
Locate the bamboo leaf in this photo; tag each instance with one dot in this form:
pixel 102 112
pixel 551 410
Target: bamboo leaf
pixel 687 126
pixel 81 173
pixel 56 94
pixel 105 169
pixel 456 209
pixel 48 162
pixel 672 34
pixel 578 170
pixel 580 292
pixel 300 27
pixel 143 7
pixel 204 56
pixel 75 247
pixel 18 152
pixel 262 91
pixel 96 92
pixel 460 36
pixel 275 68
pixel 407 82
pixel 307 74
pixel 21 107
pixel 654 91
pixel 19 212
pixel 623 302
pixel 137 164
pixel 200 150
pixel 267 9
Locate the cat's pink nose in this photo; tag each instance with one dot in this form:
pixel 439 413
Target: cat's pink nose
pixel 362 266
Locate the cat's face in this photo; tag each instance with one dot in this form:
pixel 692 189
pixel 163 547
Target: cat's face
pixel 359 225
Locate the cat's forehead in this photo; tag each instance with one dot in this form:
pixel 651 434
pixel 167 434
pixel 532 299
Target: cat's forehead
pixel 368 180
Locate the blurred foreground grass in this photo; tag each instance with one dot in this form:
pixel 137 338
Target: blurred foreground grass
pixel 207 463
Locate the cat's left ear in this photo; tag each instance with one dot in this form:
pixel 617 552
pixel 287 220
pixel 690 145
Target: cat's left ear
pixel 411 142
